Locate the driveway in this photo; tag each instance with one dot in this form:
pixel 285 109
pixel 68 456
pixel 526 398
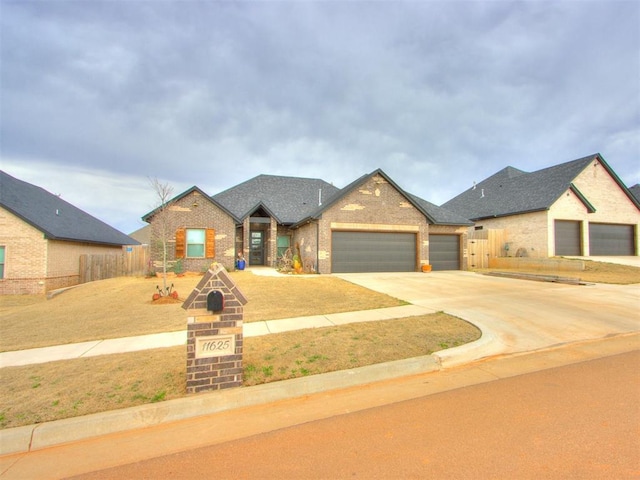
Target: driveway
pixel 514 315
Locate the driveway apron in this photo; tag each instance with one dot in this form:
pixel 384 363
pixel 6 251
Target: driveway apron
pixel 514 315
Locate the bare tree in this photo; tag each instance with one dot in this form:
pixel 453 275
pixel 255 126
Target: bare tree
pixel 161 230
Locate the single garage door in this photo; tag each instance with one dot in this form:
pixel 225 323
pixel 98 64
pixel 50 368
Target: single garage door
pixel 444 252
pixel 373 252
pixel 567 237
pixel 607 239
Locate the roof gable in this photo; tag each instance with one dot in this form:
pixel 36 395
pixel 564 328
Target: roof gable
pixel 147 217
pixel 434 214
pixel 288 199
pixel 511 191
pixel 56 218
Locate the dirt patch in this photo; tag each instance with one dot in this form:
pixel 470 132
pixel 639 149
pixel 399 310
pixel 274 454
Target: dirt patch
pixel 167 301
pixel 50 391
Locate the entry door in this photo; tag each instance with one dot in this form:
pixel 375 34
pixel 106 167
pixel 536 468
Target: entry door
pixel 256 253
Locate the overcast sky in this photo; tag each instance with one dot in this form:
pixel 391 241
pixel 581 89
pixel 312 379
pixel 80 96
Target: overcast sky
pixel 99 96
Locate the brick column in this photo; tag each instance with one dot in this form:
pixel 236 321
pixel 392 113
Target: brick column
pixel 214 338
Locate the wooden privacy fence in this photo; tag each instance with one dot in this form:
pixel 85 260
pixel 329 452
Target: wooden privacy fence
pixel 131 262
pixel 485 244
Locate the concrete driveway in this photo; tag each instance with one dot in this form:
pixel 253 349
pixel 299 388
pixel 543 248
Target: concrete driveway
pixel 514 315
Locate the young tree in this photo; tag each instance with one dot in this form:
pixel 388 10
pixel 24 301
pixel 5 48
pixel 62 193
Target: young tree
pixel 161 229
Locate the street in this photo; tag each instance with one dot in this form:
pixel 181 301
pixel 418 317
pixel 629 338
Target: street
pixel 577 421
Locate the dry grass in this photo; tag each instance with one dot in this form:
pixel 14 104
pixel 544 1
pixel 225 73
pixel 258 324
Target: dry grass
pixel 308 352
pixel 50 391
pixel 123 307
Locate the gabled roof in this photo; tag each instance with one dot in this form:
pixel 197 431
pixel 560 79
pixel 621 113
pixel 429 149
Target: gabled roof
pixel 288 199
pixel 511 191
pixel 56 218
pixel 635 191
pixel 434 214
pixel 147 217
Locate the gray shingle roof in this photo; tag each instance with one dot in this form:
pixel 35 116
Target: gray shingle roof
pixel 512 191
pixel 56 218
pixel 635 191
pixel 441 215
pixel 288 199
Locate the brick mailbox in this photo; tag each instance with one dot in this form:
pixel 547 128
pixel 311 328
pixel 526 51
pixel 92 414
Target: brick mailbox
pixel 214 332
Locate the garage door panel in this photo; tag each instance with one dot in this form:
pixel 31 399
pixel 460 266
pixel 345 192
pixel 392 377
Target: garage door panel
pixel 373 252
pixel 444 252
pixel 568 236
pixel 609 239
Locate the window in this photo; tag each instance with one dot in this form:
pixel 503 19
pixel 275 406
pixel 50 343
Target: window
pixel 284 242
pixel 195 243
pixel 1 262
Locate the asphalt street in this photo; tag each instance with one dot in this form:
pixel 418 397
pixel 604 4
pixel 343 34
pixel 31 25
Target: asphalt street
pixel 576 421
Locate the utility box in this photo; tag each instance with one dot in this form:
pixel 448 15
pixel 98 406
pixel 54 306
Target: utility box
pixel 214 332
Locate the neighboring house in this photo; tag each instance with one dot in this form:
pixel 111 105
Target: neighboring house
pixel 142 235
pixel 635 191
pixel 371 225
pixel 575 208
pixel 42 238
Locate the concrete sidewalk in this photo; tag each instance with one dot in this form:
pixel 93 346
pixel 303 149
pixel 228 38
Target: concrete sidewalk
pixel 97 442
pixel 516 317
pixel 170 339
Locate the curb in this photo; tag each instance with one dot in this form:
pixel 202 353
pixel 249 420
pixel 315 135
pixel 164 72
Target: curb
pixel 35 437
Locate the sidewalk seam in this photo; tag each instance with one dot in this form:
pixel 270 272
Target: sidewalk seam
pixel 99 342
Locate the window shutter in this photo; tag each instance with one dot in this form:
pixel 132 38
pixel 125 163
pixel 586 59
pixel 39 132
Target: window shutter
pixel 180 242
pixel 210 247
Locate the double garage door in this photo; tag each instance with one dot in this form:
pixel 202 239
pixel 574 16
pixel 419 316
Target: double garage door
pixel 604 239
pixel 373 252
pixel 390 252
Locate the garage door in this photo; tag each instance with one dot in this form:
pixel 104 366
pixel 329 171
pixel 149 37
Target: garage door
pixel 567 237
pixel 373 252
pixel 444 252
pixel 607 239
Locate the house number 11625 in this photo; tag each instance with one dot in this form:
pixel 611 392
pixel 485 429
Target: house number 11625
pixel 215 346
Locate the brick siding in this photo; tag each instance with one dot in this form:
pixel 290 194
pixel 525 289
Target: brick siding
pixel 195 211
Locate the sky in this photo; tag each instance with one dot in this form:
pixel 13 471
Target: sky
pixel 98 97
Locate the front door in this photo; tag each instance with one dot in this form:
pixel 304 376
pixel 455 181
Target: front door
pixel 256 253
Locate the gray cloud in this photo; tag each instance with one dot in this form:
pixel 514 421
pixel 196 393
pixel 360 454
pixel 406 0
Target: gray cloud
pixel 438 94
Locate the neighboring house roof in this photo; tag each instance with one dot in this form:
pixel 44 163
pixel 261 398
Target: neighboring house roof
pixel 56 218
pixel 511 191
pixel 142 235
pixel 635 191
pixel 441 215
pixel 288 199
pixel 435 215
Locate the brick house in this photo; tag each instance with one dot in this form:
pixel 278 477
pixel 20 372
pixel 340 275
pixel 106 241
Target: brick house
pixel 42 238
pixel 578 208
pixel 369 225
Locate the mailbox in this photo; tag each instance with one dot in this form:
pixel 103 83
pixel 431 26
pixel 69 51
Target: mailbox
pixel 215 301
